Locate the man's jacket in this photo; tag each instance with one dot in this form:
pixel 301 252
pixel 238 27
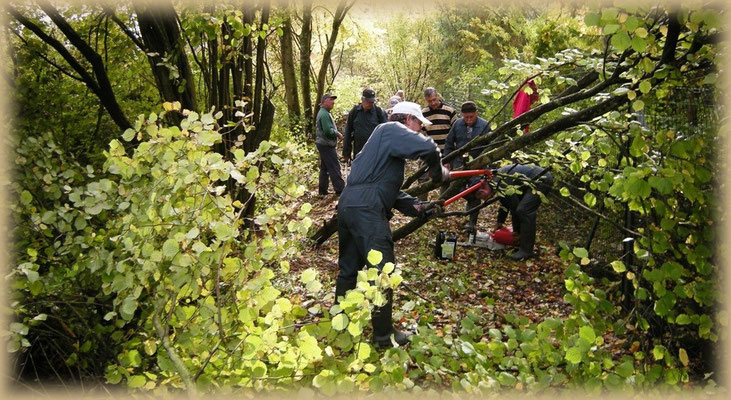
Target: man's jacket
pixel 359 128
pixel 325 132
pixel 459 137
pixel 377 173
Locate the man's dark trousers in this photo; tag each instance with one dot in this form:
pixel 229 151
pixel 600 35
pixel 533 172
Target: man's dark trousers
pixel 524 209
pixel 329 166
pixel 360 230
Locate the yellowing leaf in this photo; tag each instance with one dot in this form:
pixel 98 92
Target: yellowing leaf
pixel 308 275
pixel 375 257
pixel 364 351
pixel 683 355
pixel 340 322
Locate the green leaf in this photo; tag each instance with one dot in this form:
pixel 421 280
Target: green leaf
pixel 170 248
pixel 625 369
pixel 639 44
pixel 134 357
pixel 136 381
pixel 340 322
pixel 374 257
pixel 663 185
pixel 129 305
pixel 19 328
pixel 206 119
pixel 25 198
pixel 573 355
pixel 621 40
pixel 192 233
pixel 587 333
pixel 150 347
pixel 638 105
pixel 590 199
pixel 632 23
pixel 618 266
pixel 645 86
pixel 308 275
pixel 113 376
pixel 658 352
pixel 592 19
pixel 637 148
pixel 581 252
pixel 565 192
pixel 128 134
pixel 506 379
pixel 364 351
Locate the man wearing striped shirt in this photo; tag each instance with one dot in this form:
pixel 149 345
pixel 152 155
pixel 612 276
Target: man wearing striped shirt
pixel 441 116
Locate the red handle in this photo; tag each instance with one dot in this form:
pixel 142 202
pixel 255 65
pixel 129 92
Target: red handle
pixel 469 172
pixel 463 193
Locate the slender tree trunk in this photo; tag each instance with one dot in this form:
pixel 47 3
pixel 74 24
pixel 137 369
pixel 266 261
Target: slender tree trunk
pixel 248 63
pixel 288 73
pixel 305 65
pixel 259 77
pixel 338 18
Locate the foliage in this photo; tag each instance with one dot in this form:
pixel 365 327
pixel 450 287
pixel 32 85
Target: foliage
pixel 160 233
pixel 143 268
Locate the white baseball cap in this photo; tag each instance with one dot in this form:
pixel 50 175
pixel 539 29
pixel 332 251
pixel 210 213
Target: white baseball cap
pixel 407 107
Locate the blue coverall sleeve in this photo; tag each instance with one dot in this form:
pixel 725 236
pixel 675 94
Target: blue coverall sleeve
pixel 405 204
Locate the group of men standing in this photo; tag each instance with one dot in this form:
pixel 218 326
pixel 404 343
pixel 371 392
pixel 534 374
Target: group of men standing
pixel 379 142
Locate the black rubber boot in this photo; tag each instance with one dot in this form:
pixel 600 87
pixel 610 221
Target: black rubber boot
pixel 382 326
pixel 520 255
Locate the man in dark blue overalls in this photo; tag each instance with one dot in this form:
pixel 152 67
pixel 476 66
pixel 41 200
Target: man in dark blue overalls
pixel 371 192
pixel 523 204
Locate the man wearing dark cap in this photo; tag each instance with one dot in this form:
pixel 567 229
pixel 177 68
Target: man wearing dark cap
pixel 362 120
pixel 326 137
pixel 464 130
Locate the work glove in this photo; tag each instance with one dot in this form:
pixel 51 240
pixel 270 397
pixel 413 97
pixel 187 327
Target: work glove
pixel 430 209
pixel 440 175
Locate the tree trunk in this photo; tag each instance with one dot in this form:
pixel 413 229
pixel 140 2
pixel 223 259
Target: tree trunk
pixel 288 73
pixel 259 78
pixel 305 65
pixel 338 18
pixel 246 58
pixel 165 47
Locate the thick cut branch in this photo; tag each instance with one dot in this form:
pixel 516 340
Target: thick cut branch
pixel 539 135
pixel 571 96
